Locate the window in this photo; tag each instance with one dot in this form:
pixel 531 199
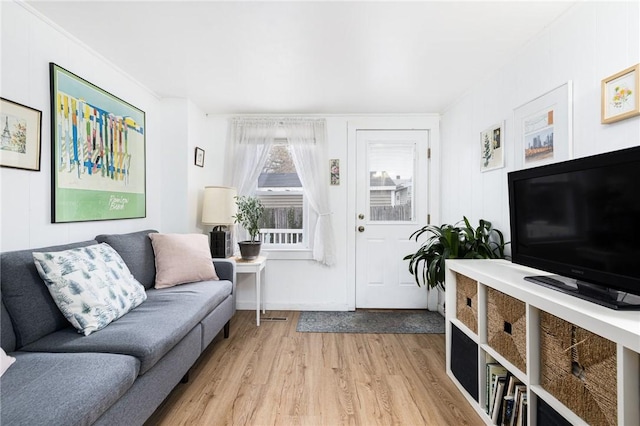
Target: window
pixel 391 169
pixel 251 141
pixel 284 222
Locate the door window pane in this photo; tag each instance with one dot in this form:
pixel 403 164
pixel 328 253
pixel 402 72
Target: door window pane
pixel 391 170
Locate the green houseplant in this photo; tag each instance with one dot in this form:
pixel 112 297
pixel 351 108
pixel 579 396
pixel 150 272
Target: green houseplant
pixel 248 215
pixel 459 241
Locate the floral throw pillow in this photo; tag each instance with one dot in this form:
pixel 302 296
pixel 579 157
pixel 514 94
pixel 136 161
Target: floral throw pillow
pixel 91 286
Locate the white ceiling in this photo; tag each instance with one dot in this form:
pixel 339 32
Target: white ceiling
pixel 306 57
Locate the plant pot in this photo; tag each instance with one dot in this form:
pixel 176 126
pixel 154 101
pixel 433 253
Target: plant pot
pixel 249 250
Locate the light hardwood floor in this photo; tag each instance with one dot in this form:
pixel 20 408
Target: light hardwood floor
pixel 273 375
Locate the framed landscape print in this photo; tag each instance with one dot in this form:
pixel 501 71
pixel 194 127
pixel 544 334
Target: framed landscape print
pixel 20 139
pixel 620 95
pixel 543 128
pixel 492 148
pixel 98 152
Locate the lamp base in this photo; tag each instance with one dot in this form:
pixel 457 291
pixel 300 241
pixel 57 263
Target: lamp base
pixel 220 244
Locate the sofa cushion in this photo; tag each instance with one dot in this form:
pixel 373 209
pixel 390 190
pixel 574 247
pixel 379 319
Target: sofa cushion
pixel 63 389
pixel 91 285
pixel 149 331
pixel 136 251
pixel 8 337
pixel 182 258
pixel 32 310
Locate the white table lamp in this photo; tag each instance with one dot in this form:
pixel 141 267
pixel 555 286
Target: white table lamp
pixel 218 209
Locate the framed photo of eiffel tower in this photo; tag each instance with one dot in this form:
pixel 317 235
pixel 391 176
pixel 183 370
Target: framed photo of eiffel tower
pixel 20 136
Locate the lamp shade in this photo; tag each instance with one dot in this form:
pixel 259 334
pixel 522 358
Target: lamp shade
pixel 219 205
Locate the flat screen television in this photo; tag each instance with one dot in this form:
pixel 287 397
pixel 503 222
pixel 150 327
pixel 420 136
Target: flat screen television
pixel 580 219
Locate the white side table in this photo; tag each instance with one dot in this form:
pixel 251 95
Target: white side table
pixel 255 267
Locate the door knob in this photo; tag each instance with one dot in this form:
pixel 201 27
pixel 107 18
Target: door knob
pixel 361 228
pixel 360 216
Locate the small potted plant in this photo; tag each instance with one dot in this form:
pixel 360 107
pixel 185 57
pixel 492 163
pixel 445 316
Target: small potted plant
pixel 459 241
pixel 250 210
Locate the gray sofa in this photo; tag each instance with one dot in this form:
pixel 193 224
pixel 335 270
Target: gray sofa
pixel 118 375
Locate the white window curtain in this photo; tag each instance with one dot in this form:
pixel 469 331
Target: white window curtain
pixel 250 140
pixel 249 143
pixel 308 141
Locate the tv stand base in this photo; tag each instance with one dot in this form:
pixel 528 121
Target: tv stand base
pixel 603 296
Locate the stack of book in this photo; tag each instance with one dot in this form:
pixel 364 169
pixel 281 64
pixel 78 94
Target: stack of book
pixel 506 397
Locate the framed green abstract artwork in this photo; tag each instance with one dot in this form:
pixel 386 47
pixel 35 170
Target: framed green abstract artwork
pixel 98 152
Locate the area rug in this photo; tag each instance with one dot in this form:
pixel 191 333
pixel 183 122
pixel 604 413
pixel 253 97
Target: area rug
pixel 375 322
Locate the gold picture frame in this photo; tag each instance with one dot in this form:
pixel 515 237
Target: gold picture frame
pixel 20 131
pixel 621 95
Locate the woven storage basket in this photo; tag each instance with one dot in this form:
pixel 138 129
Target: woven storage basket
pixel 579 369
pixel 467 302
pixel 507 327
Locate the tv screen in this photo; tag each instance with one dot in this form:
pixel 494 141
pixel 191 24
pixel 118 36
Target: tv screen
pixel 580 219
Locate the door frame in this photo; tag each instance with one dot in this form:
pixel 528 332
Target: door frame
pixel 428 122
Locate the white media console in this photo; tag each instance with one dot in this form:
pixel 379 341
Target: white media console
pixel 494 285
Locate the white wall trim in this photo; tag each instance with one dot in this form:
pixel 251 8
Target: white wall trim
pixel 284 306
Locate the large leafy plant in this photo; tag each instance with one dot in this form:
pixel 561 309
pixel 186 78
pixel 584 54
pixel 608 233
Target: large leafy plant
pixel 459 241
pixel 250 210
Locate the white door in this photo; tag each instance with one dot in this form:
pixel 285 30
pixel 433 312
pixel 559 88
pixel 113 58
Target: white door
pixel 391 203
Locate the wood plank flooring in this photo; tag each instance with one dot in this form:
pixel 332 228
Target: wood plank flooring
pixel 273 375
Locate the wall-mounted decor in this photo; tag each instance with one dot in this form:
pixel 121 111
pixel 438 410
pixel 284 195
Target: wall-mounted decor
pixel 543 128
pixel 199 158
pixel 492 147
pixel 334 167
pixel 620 95
pixel 20 139
pixel 98 152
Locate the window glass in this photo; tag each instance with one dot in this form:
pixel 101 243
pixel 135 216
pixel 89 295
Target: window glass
pixel 391 192
pixel 282 195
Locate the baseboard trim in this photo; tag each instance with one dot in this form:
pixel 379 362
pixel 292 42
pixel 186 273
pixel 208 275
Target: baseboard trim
pixel 251 306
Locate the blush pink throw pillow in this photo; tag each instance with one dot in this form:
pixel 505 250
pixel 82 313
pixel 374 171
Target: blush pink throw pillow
pixel 182 258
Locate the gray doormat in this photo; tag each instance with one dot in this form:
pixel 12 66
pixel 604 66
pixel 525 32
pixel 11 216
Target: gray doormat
pixel 375 322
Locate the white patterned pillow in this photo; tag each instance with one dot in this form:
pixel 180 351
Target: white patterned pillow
pixel 91 285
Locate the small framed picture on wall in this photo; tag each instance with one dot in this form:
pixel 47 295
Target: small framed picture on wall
pixel 492 147
pixel 620 95
pixel 20 140
pixel 199 161
pixel 334 165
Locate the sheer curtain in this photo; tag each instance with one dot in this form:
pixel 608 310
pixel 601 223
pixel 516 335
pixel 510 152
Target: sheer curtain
pixel 250 140
pixel 308 140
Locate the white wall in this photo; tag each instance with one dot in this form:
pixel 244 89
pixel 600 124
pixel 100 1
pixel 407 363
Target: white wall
pixel 182 181
pixel 591 41
pixel 28 45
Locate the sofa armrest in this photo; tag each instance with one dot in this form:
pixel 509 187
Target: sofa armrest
pixel 225 269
